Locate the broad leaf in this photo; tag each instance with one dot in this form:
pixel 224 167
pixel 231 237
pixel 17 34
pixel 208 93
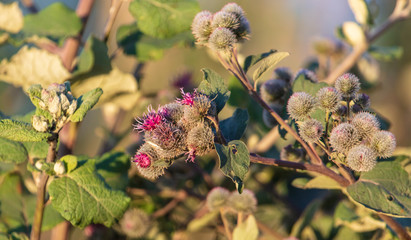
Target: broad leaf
pixel 146 48
pixel 385 189
pixel 85 103
pixel 234 161
pixel 70 162
pixel 345 213
pixel 361 11
pixel 213 86
pixel 319 182
pixel 113 167
pixel 82 198
pixel 234 127
pixel 11 202
pixel 11 18
pixel 268 63
pixel 253 59
pixel 247 230
pixel 33 66
pixel 164 18
pixel 36 150
pixel 199 223
pixel 20 131
pixel 12 152
pixel 56 20
pixel 305 218
pixel 353 33
pixel 386 53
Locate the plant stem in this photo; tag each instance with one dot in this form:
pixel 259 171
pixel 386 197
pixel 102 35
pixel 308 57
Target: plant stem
pixel 41 191
pixel 398 14
pixel 180 196
pixel 226 226
pixel 113 11
pixel 394 225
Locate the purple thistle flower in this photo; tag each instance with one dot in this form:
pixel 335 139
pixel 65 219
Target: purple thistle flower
pixel 142 159
pixel 149 121
pixel 188 98
pixel 191 155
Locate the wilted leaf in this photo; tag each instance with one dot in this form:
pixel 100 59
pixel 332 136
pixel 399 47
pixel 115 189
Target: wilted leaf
pixel 234 161
pixel 56 20
pixel 82 198
pixel 353 33
pixel 247 230
pixel 164 18
pixel 11 17
pixel 12 152
pixel 33 66
pixel 234 127
pixel 214 87
pixel 385 189
pixel 361 11
pixel 268 63
pixel 20 131
pixel 85 103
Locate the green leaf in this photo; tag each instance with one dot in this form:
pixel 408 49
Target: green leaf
pixel 268 63
pixel 305 218
pixel 247 230
pixel 319 182
pixel 56 20
pixel 82 198
pixel 21 132
pixel 253 59
pixel 234 161
pixel 12 152
pixel 85 103
pixel 234 127
pixel 199 223
pixel 214 87
pixel 385 189
pixel 345 213
pixel 164 18
pixel 361 11
pixel 146 48
pixel 113 167
pixel 386 54
pixel 70 162
pixel 51 217
pixel 34 92
pixel 36 150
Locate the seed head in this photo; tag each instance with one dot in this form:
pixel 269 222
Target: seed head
pixel 273 90
pixel 361 158
pixel 300 105
pixel 348 85
pixel 284 74
pixel 200 141
pixel 225 20
pixel 149 121
pixel 222 40
pixel 310 75
pixel 329 99
pixel 269 120
pixel 244 202
pixel 135 223
pixel 366 124
pixel 343 137
pixel 233 8
pixel 243 30
pixel 311 130
pixel 217 198
pixel 201 27
pixel 383 143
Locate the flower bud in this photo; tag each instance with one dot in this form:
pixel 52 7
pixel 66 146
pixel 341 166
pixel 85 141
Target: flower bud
pixel 233 8
pixel 65 104
pixel 135 223
pixel 222 39
pixel 363 100
pixel 383 143
pixel 39 164
pixel 310 75
pixel 300 105
pixel 201 26
pixel 225 20
pixel 289 153
pixel 200 141
pixel 166 136
pixel 217 198
pixel 243 30
pixel 172 111
pixel 269 120
pixel 273 90
pixel 40 123
pixel 311 130
pixel 284 74
pixel 343 137
pixel 366 124
pixel 329 99
pixel 145 158
pixel 348 85
pixel 244 202
pixel 355 108
pixel 361 158
pixel 340 113
pixel 72 108
pixel 59 168
pixel 54 106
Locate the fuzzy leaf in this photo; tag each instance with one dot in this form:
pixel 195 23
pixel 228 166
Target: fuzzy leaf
pixel 234 127
pixel 251 60
pixel 85 103
pixel 33 66
pixel 12 152
pixel 361 11
pixel 11 17
pixel 268 63
pixel 385 189
pixel 56 20
pixel 319 182
pixel 214 87
pixel 386 54
pixel 82 198
pixel 21 132
pixel 247 230
pixel 164 18
pixel 113 167
pixel 234 161
pixel 36 150
pixel 70 162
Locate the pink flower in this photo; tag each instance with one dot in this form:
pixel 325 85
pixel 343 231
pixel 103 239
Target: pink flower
pixel 191 155
pixel 142 159
pixel 188 98
pixel 149 121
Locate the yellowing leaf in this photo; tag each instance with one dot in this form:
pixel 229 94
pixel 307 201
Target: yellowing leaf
pixel 116 86
pixel 361 11
pixel 11 17
pixel 33 66
pixel 354 33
